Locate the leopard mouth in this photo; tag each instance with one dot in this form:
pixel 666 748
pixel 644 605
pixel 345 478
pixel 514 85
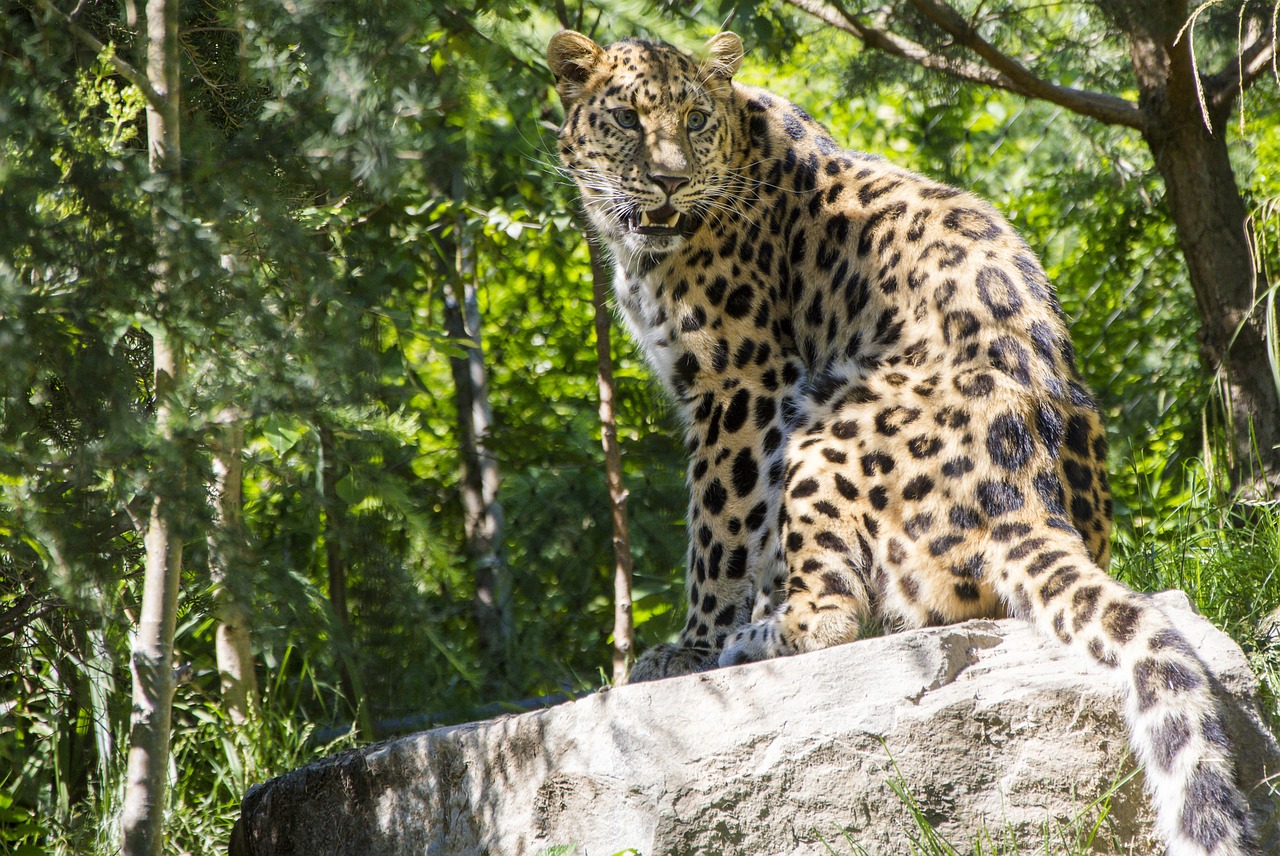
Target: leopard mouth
pixel 664 220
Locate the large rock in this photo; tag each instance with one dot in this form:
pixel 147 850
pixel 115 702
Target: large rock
pixel 984 723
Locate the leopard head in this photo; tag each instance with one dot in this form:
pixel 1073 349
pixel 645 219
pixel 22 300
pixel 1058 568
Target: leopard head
pixel 648 136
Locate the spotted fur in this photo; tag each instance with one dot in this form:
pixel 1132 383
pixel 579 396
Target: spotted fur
pixel 885 421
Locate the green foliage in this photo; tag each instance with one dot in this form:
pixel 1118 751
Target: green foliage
pixel 1230 568
pixel 334 160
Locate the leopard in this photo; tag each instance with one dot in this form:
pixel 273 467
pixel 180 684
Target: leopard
pixel 883 413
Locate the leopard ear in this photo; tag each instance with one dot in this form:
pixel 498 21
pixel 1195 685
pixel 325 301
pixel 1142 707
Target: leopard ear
pixel 572 57
pixel 724 56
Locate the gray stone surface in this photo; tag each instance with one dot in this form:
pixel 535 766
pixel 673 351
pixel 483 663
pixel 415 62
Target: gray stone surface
pixel 986 723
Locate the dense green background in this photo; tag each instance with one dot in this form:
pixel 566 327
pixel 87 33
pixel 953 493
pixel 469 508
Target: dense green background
pixel 334 154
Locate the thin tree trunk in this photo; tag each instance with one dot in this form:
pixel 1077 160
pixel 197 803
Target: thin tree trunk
pixel 336 564
pixel 623 621
pixel 142 819
pixel 482 520
pixel 153 685
pixel 232 642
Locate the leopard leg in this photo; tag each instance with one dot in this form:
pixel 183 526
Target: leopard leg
pixel 828 551
pixel 737 440
pixel 873 528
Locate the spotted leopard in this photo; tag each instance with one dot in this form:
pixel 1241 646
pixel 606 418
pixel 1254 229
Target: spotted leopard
pixel 885 422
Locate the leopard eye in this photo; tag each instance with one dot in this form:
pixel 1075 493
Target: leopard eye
pixel 696 120
pixel 626 117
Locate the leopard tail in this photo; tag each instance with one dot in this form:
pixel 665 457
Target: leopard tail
pixel 1176 725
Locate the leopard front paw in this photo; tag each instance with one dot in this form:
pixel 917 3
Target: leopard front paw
pixel 760 640
pixel 669 660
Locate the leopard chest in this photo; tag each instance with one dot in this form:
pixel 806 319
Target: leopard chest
pixel 707 325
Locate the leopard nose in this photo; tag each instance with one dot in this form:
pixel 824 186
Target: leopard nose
pixel 669 183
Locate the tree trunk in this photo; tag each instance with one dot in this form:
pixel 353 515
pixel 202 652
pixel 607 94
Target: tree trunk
pixel 142 817
pixel 1211 223
pixel 336 565
pixel 482 513
pixel 232 645
pixel 153 684
pixel 1191 154
pixel 623 621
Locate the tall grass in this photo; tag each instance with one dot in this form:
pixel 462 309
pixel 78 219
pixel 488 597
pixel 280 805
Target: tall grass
pixel 214 762
pixel 1228 565
pixel 218 760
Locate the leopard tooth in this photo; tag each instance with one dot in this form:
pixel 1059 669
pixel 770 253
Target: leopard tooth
pixel 645 219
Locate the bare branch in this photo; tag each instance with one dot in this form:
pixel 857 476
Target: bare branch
pixel 1106 108
pixel 1254 68
pixel 895 45
pixel 1243 71
pixel 998 69
pixel 122 67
